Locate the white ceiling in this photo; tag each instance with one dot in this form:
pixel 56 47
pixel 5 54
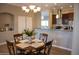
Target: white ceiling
pixel 46 5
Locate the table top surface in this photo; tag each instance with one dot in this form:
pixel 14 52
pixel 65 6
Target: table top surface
pixel 36 43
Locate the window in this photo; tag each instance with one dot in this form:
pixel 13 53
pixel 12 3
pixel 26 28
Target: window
pixel 44 23
pixel 24 23
pixel 21 24
pixel 44 20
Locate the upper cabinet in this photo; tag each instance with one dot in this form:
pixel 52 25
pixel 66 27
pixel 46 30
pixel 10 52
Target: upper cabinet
pixel 65 18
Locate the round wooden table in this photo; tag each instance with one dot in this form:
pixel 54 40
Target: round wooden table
pixel 26 45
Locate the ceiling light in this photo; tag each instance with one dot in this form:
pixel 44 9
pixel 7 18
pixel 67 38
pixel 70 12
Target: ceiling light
pixel 38 8
pixel 23 7
pixel 32 7
pixel 35 10
pixel 57 16
pixel 27 10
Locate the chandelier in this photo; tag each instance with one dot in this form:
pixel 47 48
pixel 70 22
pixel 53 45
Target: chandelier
pixel 59 14
pixel 32 8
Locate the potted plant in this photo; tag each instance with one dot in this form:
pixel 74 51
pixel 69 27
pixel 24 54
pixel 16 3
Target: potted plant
pixel 30 34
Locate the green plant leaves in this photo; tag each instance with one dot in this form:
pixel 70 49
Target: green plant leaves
pixel 29 32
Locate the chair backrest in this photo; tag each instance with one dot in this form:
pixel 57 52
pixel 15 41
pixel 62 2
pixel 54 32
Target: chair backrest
pixel 18 37
pixel 43 36
pixel 10 47
pixel 48 47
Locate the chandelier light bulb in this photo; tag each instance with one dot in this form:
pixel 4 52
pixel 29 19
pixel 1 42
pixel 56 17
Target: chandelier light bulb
pixel 35 10
pixel 23 7
pixel 57 16
pixel 32 7
pixel 38 8
pixel 27 10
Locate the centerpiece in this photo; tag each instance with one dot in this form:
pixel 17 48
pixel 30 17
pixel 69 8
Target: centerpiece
pixel 30 34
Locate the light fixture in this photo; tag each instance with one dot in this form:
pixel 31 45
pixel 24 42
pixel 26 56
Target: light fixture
pixel 35 10
pixel 38 8
pixel 23 7
pixel 32 8
pixel 27 10
pixel 59 17
pixel 59 14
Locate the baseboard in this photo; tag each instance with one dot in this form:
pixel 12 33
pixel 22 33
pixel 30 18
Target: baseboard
pixel 52 45
pixel 4 53
pixel 2 43
pixel 62 47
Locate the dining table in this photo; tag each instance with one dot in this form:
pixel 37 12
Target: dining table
pixel 27 45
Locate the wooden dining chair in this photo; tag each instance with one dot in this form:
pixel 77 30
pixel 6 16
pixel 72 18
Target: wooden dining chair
pixel 18 37
pixel 43 37
pixel 10 47
pixel 48 47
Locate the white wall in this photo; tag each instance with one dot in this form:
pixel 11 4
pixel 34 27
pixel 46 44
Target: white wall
pixel 7 35
pixel 61 38
pixel 37 20
pixel 75 45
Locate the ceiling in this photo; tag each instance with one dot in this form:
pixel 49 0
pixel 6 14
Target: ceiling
pixel 66 7
pixel 46 5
